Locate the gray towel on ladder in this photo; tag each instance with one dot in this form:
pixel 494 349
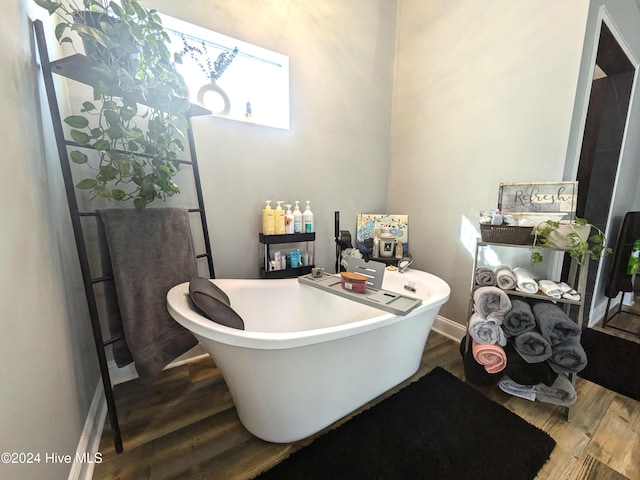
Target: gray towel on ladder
pixel 151 251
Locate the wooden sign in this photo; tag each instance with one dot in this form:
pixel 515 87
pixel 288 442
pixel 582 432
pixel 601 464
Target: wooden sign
pixel 541 197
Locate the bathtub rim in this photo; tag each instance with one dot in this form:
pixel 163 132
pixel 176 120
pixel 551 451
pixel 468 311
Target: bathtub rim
pixel 180 310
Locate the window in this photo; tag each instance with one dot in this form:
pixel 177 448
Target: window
pixel 232 78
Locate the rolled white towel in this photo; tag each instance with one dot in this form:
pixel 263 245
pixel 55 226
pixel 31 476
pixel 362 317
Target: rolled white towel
pixel 549 288
pixel 526 281
pixel 568 292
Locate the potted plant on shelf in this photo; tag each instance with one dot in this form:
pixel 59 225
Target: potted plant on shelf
pixel 574 236
pixel 135 119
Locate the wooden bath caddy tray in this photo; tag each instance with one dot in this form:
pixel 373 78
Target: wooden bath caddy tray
pixel 386 300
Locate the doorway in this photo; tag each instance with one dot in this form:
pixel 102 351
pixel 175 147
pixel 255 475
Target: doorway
pixel 603 139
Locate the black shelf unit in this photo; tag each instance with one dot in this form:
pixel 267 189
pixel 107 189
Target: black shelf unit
pixel 267 240
pixel 77 67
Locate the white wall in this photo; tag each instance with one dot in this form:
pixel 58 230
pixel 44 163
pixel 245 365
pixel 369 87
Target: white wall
pixel 483 94
pixel 49 371
pixel 337 150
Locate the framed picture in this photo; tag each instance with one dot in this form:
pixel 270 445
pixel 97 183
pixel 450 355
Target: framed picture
pixel 548 200
pixel 370 225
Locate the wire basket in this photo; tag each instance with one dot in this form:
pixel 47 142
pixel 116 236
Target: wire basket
pixel 505 234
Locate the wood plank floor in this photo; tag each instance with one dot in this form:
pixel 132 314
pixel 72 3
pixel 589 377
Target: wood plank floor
pixel 184 425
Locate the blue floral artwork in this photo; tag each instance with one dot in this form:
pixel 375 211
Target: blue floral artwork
pixel 370 225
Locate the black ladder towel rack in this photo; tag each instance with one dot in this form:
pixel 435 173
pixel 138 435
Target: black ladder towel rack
pixel 76 67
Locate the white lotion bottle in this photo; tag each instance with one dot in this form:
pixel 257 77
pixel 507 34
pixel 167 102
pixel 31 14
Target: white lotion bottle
pixel 288 220
pixel 307 219
pixel 279 219
pixel 297 219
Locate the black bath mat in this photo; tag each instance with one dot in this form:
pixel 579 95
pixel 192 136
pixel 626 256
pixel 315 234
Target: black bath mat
pixel 437 427
pixel 612 362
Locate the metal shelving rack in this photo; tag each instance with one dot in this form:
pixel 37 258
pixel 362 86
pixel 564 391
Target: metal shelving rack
pixel 76 67
pixel 577 278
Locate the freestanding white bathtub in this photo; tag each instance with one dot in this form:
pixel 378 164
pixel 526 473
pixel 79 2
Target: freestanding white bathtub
pixel 307 357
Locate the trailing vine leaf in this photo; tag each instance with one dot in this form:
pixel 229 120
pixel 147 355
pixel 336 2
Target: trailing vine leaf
pixel 579 248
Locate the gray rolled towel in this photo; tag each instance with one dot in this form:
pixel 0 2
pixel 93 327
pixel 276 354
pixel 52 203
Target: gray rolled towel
pixel 506 279
pixel 568 357
pixel 519 319
pixel 491 303
pixel 532 347
pixel 485 277
pixel 555 326
pixel 561 392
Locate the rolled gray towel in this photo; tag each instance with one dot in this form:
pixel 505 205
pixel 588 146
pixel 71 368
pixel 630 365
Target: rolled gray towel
pixel 561 392
pixel 568 357
pixel 556 327
pixel 485 277
pixel 491 303
pixel 532 347
pixel 519 319
pixel 486 332
pixel 506 279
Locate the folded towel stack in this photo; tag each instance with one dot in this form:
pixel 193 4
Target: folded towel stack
pixel 526 347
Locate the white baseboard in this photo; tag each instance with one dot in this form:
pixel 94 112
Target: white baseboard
pixel 87 450
pixel 449 328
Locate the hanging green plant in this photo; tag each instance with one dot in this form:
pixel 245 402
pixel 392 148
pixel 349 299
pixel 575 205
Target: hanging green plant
pixel 136 118
pixel 574 236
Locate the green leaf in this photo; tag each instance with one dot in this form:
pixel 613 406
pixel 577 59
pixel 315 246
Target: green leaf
pixel 88 107
pixel 76 121
pixel 118 194
pixel 87 184
pixel 102 145
pixel 139 203
pixel 78 157
pixel 80 137
pixel 108 173
pixel 48 5
pixel 60 29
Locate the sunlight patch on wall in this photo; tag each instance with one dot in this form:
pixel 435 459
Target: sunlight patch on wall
pixel 468 236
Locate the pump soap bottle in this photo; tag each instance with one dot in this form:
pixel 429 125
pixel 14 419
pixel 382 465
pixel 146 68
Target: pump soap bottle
pixel 297 219
pixel 307 219
pixel 288 220
pixel 268 224
pixel 279 218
